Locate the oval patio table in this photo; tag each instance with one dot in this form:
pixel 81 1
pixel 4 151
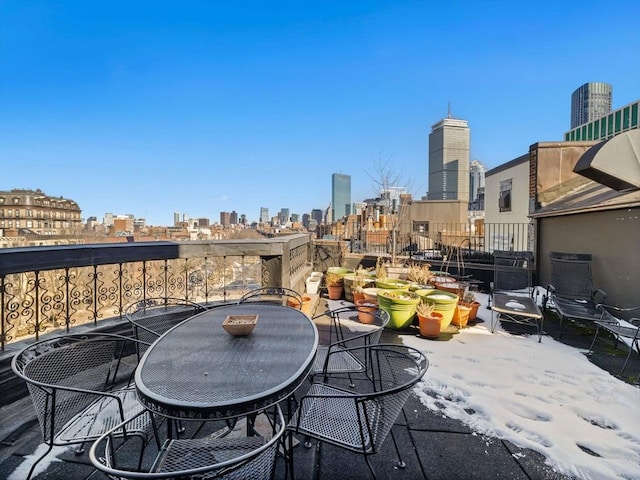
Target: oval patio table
pixel 196 370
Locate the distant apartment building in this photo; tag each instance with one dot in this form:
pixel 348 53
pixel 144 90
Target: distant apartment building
pixel 233 218
pixel 449 160
pixel 607 126
pixel 176 219
pixel 35 212
pixel 123 224
pixel 283 216
pixel 590 101
pixel 340 195
pixel 225 219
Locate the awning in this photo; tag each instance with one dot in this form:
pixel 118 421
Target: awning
pixel 614 162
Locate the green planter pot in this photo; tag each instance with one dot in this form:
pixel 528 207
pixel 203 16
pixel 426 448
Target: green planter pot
pixel 393 284
pixel 445 303
pixel 400 305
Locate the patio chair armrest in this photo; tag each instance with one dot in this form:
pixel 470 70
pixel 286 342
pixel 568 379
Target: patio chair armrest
pixel 635 321
pixel 622 309
pixel 598 293
pixel 551 289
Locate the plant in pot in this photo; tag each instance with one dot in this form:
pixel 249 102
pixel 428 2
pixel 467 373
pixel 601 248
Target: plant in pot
pixel 429 321
pixel 420 274
pixel 366 309
pixel 335 285
pixel 400 305
pixel 469 300
pixel 362 279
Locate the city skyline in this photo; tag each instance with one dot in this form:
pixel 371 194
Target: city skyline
pixel 152 109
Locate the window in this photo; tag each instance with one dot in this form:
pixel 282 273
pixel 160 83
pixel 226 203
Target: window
pixel 504 201
pixel 421 227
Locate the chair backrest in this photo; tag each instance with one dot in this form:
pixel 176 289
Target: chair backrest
pixel 277 295
pixel 356 333
pixel 151 317
pixel 222 458
pixel 571 275
pixel 512 270
pixel 394 370
pixel 57 370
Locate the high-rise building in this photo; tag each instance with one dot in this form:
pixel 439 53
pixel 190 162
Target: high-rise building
pixel 264 215
pixel 176 219
pixel 618 121
pixel 233 218
pixel 283 216
pixel 590 101
pixel 225 219
pixel 476 184
pixel 317 215
pixel 449 160
pixel 340 195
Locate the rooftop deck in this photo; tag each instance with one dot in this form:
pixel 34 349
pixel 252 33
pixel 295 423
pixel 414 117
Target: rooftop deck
pixel 433 446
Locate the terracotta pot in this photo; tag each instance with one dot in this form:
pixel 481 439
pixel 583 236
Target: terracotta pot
pixel 306 304
pixel 358 296
pixel 474 309
pixel 430 326
pixel 335 292
pixel 365 311
pixel 461 316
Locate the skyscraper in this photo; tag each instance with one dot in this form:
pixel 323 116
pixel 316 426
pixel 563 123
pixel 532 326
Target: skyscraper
pixel 449 160
pixel 476 181
pixel 264 215
pixel 590 101
pixel 340 195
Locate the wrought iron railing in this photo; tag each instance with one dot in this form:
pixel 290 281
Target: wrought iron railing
pixel 467 238
pixel 48 288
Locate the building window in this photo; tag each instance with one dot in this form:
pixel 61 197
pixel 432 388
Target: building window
pixel 421 227
pixel 504 201
pixel 16 201
pixel 634 119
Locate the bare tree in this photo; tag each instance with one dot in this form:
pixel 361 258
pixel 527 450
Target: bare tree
pixel 386 181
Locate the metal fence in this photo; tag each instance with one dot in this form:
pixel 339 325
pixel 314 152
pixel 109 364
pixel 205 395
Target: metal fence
pixel 56 288
pixel 444 238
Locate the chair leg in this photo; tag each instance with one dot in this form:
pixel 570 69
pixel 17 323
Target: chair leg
pixel 33 467
pixel 373 473
pixel 401 463
pixel 593 342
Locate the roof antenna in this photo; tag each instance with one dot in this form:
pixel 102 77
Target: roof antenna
pixel 448 109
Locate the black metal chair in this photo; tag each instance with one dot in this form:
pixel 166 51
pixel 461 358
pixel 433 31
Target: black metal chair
pixel 152 317
pixel 71 381
pixel 512 291
pixel 621 331
pixel 226 457
pixel 277 295
pixel 571 289
pixel 360 420
pixel 335 357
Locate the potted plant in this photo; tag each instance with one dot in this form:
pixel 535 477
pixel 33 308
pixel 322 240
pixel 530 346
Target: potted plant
pixel 366 310
pixel 444 303
pixel 461 316
pixel 400 305
pixel 429 321
pixel 469 300
pixel 358 280
pixel 420 274
pixel 335 285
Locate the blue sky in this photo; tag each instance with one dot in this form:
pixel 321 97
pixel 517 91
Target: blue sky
pixel 207 106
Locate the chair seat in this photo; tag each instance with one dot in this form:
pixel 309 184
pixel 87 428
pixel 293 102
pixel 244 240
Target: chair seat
pixel 103 415
pixel 334 420
pixel 340 361
pixel 190 454
pixel 579 308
